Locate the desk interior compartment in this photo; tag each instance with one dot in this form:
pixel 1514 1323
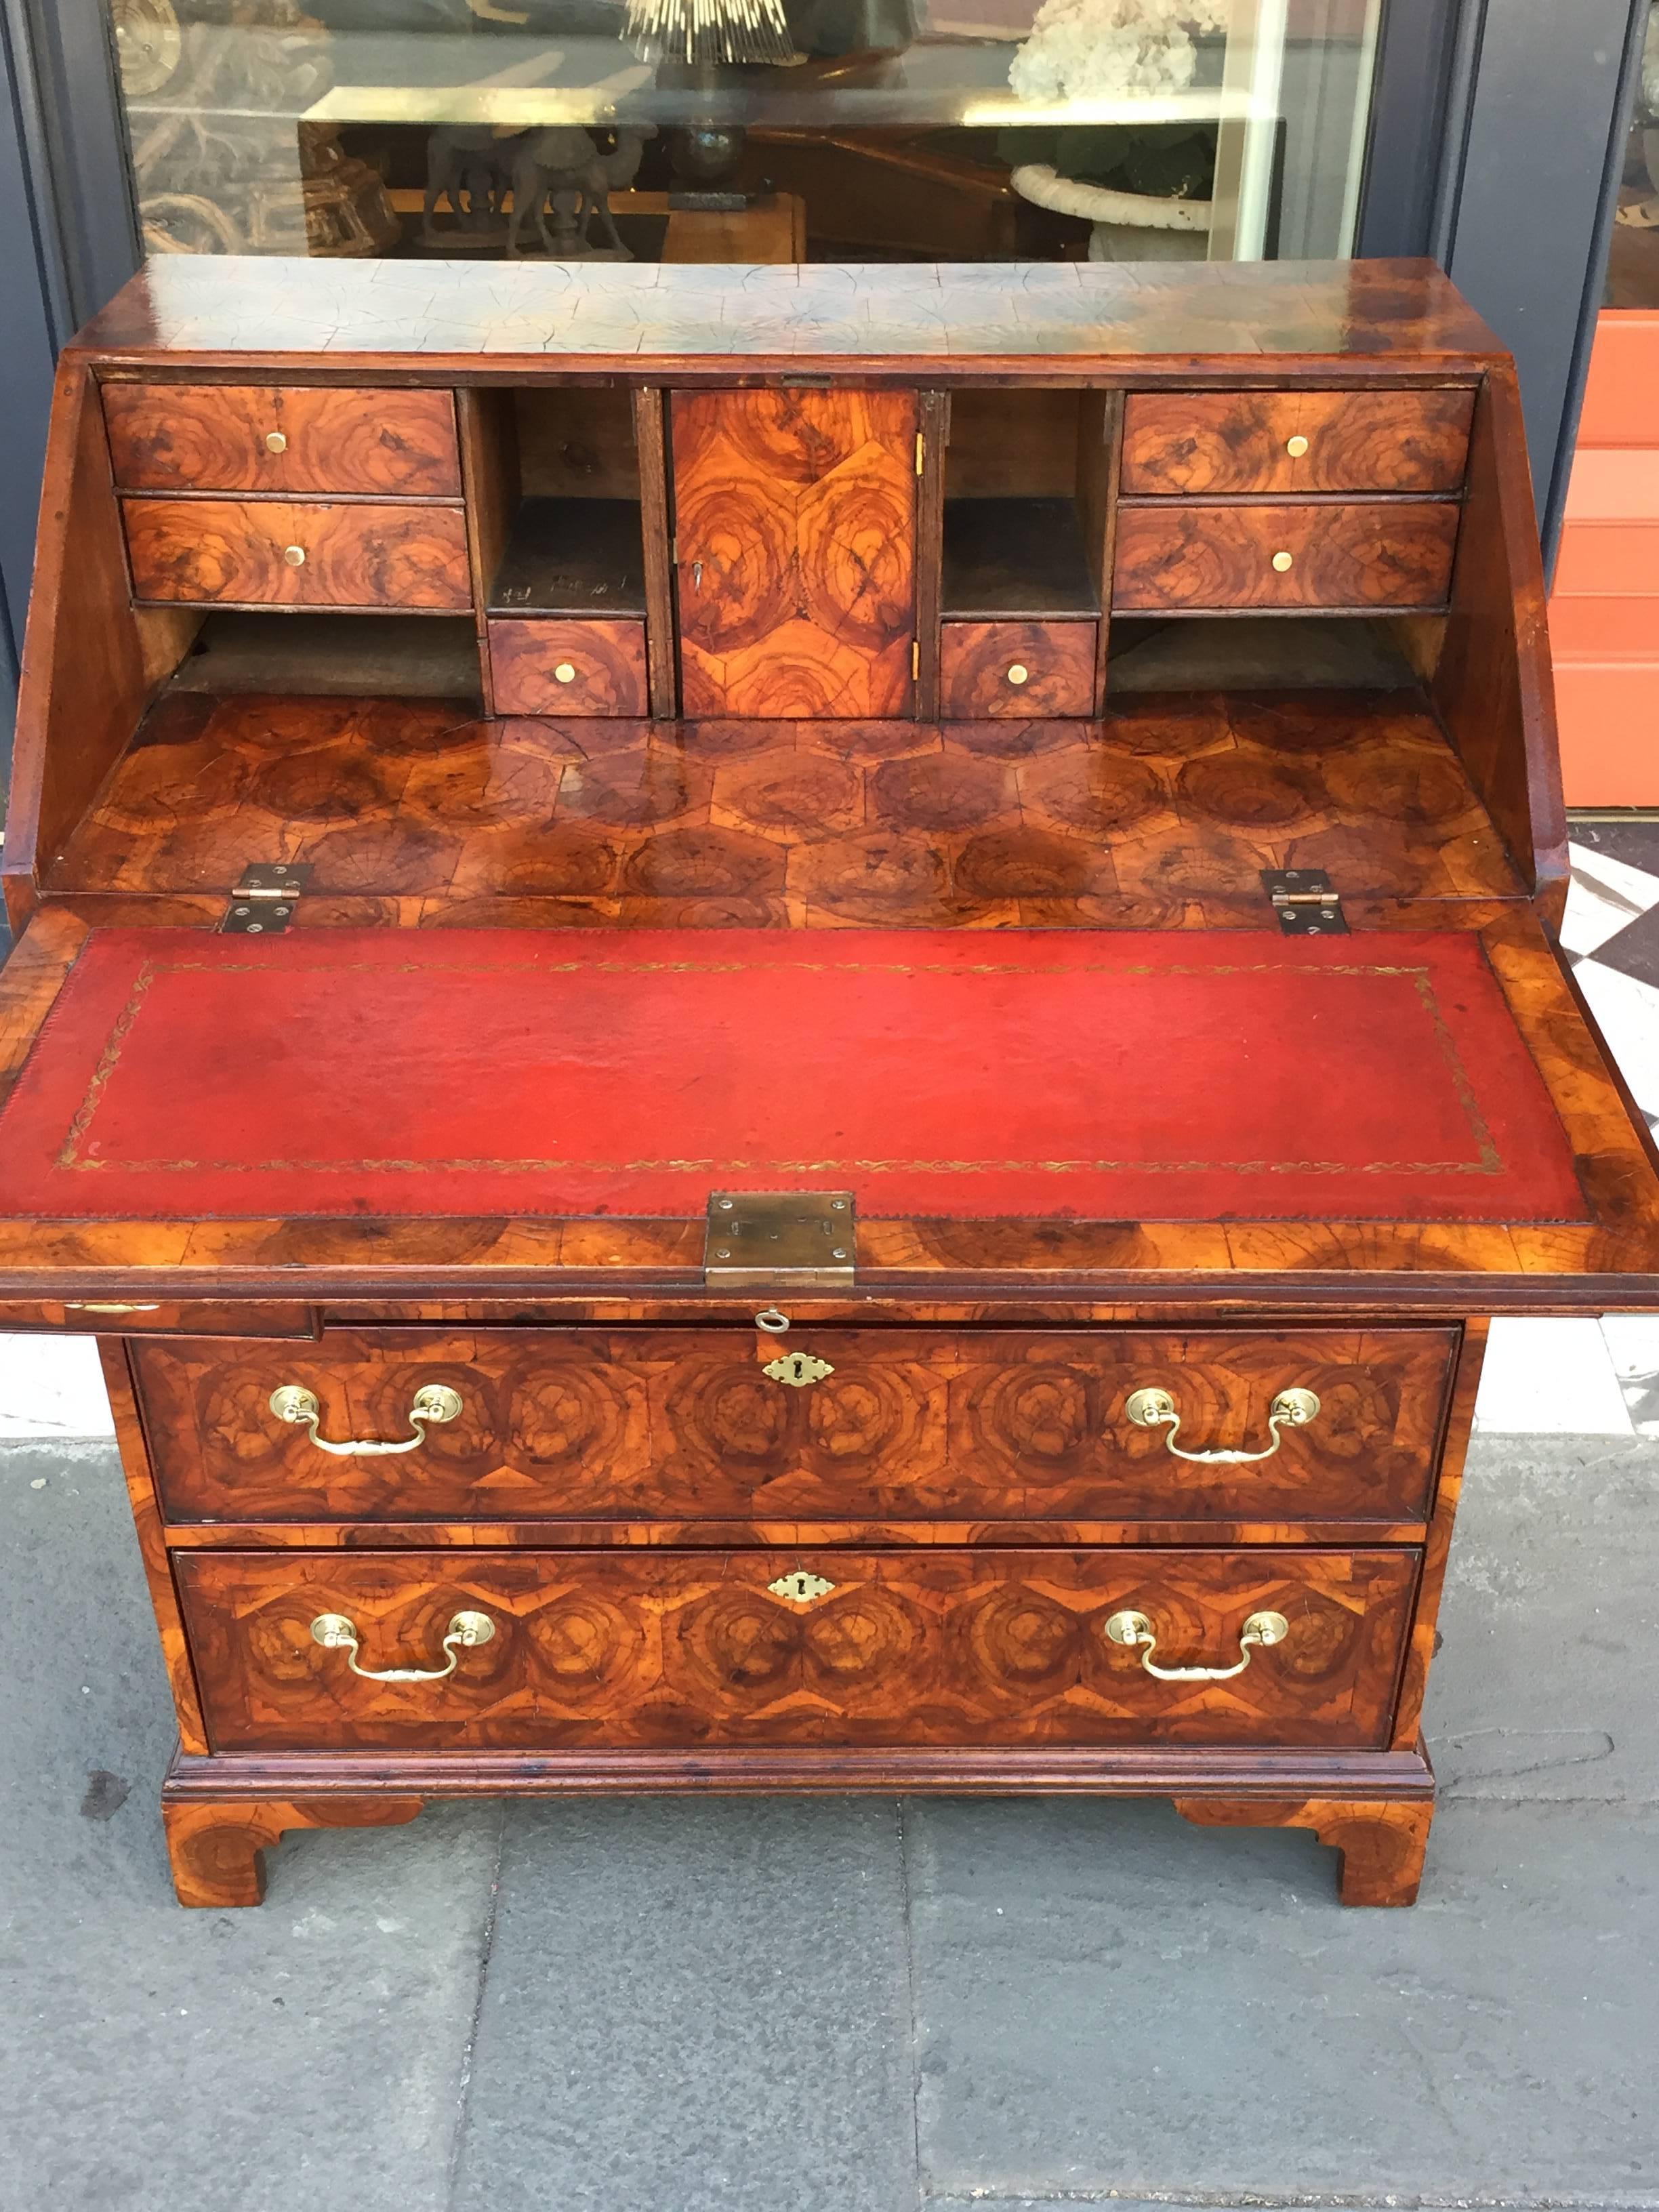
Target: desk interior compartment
pixel 1026 505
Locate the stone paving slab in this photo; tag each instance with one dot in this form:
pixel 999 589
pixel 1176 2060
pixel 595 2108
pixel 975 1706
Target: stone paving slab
pixel 695 2005
pixel 310 2053
pixel 1548 1684
pixel 1109 1999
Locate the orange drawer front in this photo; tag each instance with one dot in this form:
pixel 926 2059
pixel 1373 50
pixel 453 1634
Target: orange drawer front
pixel 544 665
pixel 269 553
pixel 1191 555
pixel 282 438
pixel 678 1649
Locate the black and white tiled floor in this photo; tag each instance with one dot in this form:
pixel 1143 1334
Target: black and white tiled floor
pixel 1573 1377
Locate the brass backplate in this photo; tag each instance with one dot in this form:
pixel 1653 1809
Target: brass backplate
pixel 767 1240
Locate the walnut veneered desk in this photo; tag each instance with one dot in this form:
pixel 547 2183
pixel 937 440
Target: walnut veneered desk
pixel 789 1025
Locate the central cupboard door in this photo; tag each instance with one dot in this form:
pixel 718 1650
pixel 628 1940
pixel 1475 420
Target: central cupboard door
pixel 794 519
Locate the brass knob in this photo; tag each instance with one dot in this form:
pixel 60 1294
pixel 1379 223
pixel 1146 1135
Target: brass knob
pixel 1284 563
pixel 276 442
pixel 1019 673
pixel 1296 448
pixel 294 556
pixel 566 672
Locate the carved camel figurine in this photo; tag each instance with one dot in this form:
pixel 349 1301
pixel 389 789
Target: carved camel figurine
pixel 562 162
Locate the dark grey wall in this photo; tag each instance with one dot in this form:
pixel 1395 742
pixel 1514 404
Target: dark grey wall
pixel 67 241
pixel 1541 97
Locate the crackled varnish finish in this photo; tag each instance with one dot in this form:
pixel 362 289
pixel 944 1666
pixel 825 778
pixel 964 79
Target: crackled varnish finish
pixel 764 712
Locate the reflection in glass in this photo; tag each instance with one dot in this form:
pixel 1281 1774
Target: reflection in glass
pixel 747 129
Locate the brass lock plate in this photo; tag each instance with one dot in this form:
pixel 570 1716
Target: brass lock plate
pixel 765 1240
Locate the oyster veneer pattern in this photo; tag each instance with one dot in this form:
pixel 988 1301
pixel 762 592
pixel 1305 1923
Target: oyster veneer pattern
pixel 1162 814
pixel 619 1648
pixel 794 535
pixel 684 1423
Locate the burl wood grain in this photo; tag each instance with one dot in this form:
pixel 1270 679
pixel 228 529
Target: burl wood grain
pixel 1192 555
pixel 976 659
pixel 624 1649
pixel 231 552
pixel 682 1424
pixel 214 437
pixel 216 1848
pixel 604 661
pixel 795 538
pixel 1382 1843
pixel 1239 441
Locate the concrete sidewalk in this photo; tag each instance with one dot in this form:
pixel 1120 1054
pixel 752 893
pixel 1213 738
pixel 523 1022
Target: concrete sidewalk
pixel 847 2005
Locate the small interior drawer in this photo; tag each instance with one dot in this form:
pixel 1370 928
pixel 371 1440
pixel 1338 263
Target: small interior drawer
pixel 275 553
pixel 686 1424
pixel 1191 555
pixel 1191 442
pixel 946 1645
pixel 543 666
pixel 1022 668
pixel 282 438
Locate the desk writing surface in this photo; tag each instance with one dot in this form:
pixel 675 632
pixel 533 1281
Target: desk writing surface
pixel 1023 1074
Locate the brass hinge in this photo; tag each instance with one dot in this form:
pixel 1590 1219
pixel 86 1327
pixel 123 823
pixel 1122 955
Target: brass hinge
pixel 921 447
pixel 1306 901
pixel 776 1240
pixel 267 894
pixel 915 661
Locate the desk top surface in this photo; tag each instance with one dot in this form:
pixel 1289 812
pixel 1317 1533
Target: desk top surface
pixel 1384 316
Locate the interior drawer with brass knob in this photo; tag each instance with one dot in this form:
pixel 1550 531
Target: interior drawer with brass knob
pixel 808 1423
pixel 1363 557
pixel 1028 668
pixel 443 1650
pixel 282 438
pixel 226 552
pixel 540 664
pixel 1194 442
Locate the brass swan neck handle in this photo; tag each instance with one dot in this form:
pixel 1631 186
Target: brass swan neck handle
pixel 1155 1409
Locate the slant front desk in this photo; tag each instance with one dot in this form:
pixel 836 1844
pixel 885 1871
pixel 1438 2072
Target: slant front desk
pixel 789 1026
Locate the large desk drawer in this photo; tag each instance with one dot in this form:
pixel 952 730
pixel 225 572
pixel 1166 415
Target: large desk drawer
pixel 685 1650
pixel 687 1423
pixel 282 438
pixel 228 552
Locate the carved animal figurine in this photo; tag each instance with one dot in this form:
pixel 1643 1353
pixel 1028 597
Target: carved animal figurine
pixel 551 165
pixel 472 168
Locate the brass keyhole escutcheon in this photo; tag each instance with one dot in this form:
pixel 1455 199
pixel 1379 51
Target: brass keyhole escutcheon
pixel 276 442
pixel 799 1369
pixel 294 556
pixel 1019 673
pixel 1296 448
pixel 565 672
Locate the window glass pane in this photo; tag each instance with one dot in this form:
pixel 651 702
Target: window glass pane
pixel 749 129
pixel 1633 263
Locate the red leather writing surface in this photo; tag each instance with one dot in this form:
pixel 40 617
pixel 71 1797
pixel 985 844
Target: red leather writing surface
pixel 1025 1073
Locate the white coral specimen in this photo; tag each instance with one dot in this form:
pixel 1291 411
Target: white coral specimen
pixel 1099 48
